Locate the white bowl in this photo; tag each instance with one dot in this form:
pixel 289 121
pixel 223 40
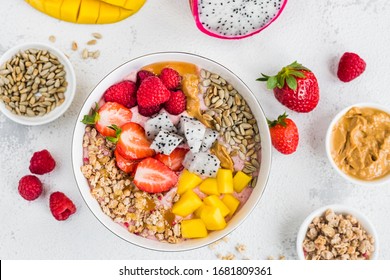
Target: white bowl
pixel 69 94
pixel 338 209
pixel 117 75
pixel 385 179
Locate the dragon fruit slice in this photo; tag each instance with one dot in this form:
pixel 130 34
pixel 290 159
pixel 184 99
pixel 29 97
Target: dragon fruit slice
pixel 235 19
pixel 203 164
pixel 154 125
pixel 193 130
pixel 165 142
pixel 209 137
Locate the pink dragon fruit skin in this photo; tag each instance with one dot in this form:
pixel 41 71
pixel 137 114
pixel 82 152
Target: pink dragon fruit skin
pixel 194 4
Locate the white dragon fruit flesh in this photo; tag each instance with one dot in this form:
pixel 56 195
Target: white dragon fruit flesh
pixel 203 164
pixel 165 142
pixel 235 19
pixel 193 131
pixel 154 125
pixel 209 137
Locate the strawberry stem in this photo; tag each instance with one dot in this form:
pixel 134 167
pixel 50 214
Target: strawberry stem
pixel 288 75
pixel 93 118
pixel 280 120
pixel 118 132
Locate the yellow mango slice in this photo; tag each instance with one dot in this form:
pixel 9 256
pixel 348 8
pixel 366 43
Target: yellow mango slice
pixel 37 4
pixel 214 200
pixel 225 180
pixel 231 202
pixel 194 228
pixel 70 10
pixel 240 181
pixel 187 204
pixel 89 11
pixel 212 218
pixel 133 5
pixel 187 180
pixel 53 7
pixel 209 186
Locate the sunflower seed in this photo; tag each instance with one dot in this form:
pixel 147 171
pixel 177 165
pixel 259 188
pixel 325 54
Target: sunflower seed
pixel 97 35
pixel 52 38
pixel 206 83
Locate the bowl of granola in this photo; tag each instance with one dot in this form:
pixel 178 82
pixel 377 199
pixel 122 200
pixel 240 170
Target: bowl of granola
pixel 171 151
pixel 337 232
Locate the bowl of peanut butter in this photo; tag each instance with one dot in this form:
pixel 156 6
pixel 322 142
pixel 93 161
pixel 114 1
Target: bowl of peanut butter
pixel 358 144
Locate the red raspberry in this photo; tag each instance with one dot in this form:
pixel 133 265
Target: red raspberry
pixel 42 162
pixel 170 78
pixel 149 111
pixel 351 66
pixel 123 93
pixel 30 187
pixel 177 103
pixel 61 206
pixel 142 75
pixel 152 92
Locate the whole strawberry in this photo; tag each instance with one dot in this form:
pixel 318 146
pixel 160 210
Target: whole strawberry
pixel 284 134
pixel 61 206
pixel 152 92
pixel 350 67
pixel 30 187
pixel 123 93
pixel 295 86
pixel 42 162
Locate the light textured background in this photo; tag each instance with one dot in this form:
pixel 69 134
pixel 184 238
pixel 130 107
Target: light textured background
pixel 315 33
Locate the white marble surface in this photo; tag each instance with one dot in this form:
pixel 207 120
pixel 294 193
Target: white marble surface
pixel 315 33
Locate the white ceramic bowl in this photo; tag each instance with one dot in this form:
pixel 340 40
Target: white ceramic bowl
pixel 117 75
pixel 69 94
pixel 338 209
pixel 328 144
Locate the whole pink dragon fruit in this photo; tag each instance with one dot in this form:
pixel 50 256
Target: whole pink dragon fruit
pixel 235 19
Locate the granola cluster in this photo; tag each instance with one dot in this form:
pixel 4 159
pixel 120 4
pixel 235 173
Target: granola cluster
pixel 337 237
pixel 147 215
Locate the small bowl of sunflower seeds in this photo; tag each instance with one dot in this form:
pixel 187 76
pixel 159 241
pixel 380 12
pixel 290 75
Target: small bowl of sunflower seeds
pixel 337 232
pixel 37 83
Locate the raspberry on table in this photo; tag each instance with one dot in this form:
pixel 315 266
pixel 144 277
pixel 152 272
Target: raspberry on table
pixel 42 162
pixel 61 206
pixel 350 67
pixel 30 187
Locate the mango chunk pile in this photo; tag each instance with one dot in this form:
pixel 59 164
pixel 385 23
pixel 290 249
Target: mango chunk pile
pixel 208 214
pixel 88 11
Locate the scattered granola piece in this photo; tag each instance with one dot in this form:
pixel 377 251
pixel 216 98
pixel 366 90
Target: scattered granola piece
pixel 74 46
pixel 241 248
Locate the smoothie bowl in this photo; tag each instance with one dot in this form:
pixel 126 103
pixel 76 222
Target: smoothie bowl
pixel 171 151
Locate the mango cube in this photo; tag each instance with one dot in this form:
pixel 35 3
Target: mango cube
pixel 240 181
pixel 214 200
pixel 225 180
pixel 231 202
pixel 194 228
pixel 212 218
pixel 198 211
pixel 209 186
pixel 187 180
pixel 187 204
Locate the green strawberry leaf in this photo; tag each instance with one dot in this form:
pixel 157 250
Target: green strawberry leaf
pixel 297 74
pixel 281 120
pixel 272 82
pixel 292 82
pixel 118 132
pixel 93 118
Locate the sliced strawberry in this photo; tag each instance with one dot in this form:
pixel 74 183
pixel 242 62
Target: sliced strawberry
pixel 152 176
pixel 111 113
pixel 132 143
pixel 125 165
pixel 174 160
